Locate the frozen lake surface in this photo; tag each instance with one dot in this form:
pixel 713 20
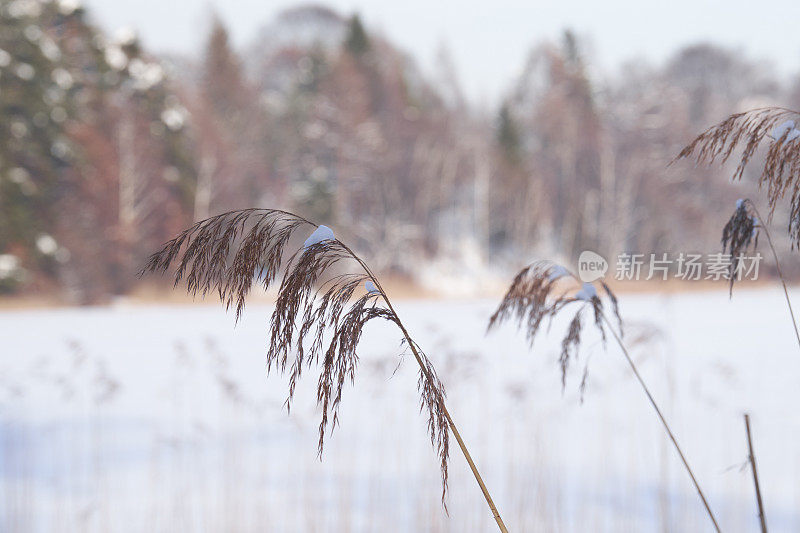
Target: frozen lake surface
pixel 163 419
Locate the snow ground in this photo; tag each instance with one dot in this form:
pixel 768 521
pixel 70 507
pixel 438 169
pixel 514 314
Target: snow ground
pixel 163 419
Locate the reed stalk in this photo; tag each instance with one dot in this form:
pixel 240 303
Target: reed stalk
pixel 412 345
pixel 763 227
pixel 663 423
pixel 751 457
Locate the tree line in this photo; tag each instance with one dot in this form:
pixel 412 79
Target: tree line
pixel 109 150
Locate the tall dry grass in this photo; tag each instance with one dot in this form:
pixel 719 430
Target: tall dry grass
pixel 751 458
pixel 741 234
pixel 779 176
pixel 228 253
pixel 543 290
pixel 747 131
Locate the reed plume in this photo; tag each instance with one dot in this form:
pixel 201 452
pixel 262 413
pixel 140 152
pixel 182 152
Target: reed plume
pixel 740 232
pixel 541 291
pixel 230 252
pixel 739 235
pixel 747 130
pixel 779 176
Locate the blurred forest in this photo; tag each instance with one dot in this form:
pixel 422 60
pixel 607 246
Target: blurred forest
pixel 108 150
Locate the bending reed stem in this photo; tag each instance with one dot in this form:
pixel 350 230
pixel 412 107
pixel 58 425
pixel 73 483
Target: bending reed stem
pixel 763 226
pixel 663 422
pixel 762 517
pixel 453 429
pixel 457 435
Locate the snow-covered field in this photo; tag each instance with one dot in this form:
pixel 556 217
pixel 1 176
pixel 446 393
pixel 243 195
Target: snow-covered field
pixel 163 419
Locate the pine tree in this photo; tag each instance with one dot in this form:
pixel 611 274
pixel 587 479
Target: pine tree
pixel 357 41
pixel 35 105
pixel 508 135
pixel 96 145
pixel 223 81
pixel 239 140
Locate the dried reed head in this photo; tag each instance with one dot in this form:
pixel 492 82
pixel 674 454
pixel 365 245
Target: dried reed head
pixel 319 314
pixel 540 291
pixel 782 160
pixel 738 234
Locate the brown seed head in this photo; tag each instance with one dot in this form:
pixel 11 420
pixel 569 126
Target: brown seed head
pixel 540 291
pixel 747 130
pixel 230 252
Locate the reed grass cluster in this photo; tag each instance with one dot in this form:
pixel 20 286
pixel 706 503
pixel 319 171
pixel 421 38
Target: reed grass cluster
pixel 322 308
pixel 743 133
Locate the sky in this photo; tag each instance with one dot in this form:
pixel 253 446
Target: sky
pixel 490 40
